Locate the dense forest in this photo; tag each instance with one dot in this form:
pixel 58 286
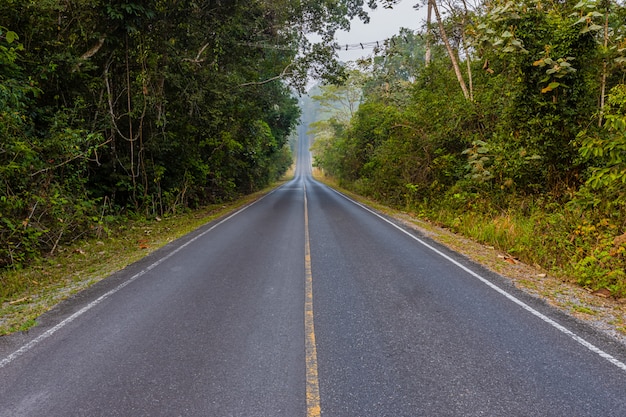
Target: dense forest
pixel 502 120
pixel 505 121
pixel 113 109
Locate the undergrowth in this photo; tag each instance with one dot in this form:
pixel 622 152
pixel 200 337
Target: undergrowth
pixel 581 240
pixel 578 244
pixel 27 292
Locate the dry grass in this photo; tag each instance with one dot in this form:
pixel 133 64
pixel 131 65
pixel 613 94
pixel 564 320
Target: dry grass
pixel 51 280
pixel 606 314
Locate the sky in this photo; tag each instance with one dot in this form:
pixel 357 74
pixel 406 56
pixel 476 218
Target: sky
pixel 384 23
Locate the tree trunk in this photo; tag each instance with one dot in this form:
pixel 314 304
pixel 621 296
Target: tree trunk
pixel 467 53
pixel 604 66
pixel 130 128
pixel 427 55
pixel 446 41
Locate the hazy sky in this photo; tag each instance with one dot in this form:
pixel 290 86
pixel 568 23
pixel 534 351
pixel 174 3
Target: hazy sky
pixel 384 23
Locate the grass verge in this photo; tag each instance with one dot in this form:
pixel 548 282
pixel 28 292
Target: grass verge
pixel 489 241
pixel 31 291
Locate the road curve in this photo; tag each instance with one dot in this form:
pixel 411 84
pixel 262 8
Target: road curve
pixel 307 303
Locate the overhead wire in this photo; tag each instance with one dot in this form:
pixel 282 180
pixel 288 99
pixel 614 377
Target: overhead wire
pixel 337 46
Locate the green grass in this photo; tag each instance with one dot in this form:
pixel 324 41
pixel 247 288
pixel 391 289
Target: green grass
pixel 584 310
pixel 28 292
pixel 564 242
pixel 586 247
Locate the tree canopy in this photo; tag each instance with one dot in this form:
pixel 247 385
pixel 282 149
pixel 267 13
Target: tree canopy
pixel 500 110
pixel 112 108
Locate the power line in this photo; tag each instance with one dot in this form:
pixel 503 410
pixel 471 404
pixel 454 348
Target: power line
pixel 372 45
pixel 266 46
pixel 337 46
pixel 360 45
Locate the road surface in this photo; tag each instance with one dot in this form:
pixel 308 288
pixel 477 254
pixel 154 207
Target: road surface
pixel 306 303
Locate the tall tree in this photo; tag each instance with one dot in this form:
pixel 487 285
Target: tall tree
pixel 148 106
pixel 451 53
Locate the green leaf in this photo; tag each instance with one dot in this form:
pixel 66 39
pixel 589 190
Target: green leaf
pixel 550 87
pixel 11 36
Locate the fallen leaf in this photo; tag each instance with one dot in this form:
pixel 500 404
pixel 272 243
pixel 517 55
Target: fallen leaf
pixel 19 301
pixel 620 240
pixel 602 292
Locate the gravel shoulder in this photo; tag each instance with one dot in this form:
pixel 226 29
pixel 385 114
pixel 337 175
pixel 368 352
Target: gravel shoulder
pixel 81 270
pixel 607 315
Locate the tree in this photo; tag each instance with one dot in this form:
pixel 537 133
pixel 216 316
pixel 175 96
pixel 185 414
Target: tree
pixel 602 18
pixel 337 105
pixel 451 53
pixel 148 107
pixel 342 101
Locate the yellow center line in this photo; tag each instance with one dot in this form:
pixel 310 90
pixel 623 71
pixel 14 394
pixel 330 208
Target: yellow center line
pixel 312 382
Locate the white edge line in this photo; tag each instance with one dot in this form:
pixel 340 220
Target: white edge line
pixel 511 297
pixel 25 348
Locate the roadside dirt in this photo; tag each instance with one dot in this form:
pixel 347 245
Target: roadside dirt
pixel 606 314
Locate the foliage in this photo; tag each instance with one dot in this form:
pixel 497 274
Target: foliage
pixel 608 148
pixel 534 164
pixel 135 108
pixel 27 293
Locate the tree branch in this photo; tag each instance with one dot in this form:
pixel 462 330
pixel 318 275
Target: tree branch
pixel 197 59
pixel 281 75
pixel 91 52
pixel 67 161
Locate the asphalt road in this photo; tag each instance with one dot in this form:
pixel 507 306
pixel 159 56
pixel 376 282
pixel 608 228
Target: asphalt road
pixel 306 301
